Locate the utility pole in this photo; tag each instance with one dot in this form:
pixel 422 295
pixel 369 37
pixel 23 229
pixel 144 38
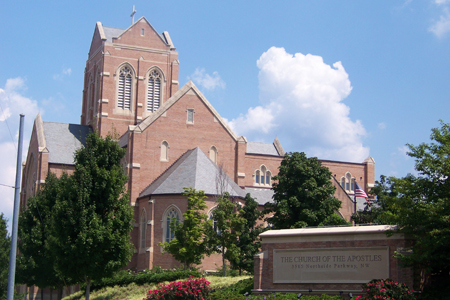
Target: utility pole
pixel 13 251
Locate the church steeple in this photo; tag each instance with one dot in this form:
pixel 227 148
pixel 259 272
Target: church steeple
pixel 129 74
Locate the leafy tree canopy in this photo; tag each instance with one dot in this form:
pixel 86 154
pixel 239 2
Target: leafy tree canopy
pixel 92 220
pixel 228 224
pixel 421 205
pixel 189 244
pixel 375 211
pixel 303 194
pixel 36 263
pixel 248 241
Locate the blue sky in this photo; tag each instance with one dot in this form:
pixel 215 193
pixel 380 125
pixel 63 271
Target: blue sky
pixel 340 80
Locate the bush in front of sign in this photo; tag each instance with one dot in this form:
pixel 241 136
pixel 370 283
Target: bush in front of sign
pixel 386 289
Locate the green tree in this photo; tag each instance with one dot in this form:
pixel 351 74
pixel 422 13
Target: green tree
pixel 421 205
pixel 228 223
pixel 248 241
pixel 5 245
pixel 36 264
pixel 92 222
pixel 189 244
pixel 375 211
pixel 303 194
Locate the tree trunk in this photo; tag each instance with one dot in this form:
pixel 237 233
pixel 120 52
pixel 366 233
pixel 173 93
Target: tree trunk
pixel 60 292
pixel 51 294
pixel 42 293
pixel 223 264
pixel 88 287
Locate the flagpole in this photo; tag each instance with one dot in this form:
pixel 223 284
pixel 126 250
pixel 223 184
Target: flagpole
pixel 13 251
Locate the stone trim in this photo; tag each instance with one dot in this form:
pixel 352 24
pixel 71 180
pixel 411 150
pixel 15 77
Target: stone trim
pixel 359 233
pixel 278 147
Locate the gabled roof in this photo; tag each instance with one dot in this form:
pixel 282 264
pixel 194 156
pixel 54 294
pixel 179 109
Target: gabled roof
pixel 261 148
pixel 261 195
pixel 111 32
pixel 265 148
pixel 190 86
pixel 161 36
pixel 193 169
pixel 108 33
pixel 63 139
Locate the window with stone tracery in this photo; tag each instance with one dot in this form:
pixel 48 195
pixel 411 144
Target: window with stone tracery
pixel 263 177
pixel 124 93
pixel 154 90
pixel 171 215
pixel 348 182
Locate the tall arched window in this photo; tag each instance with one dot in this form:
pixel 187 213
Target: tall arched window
pixel 263 177
pixel 164 151
pixel 348 179
pixel 154 90
pixel 172 215
pixel 213 154
pixel 124 88
pixel 143 228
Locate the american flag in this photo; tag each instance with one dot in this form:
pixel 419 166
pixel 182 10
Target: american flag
pixel 359 192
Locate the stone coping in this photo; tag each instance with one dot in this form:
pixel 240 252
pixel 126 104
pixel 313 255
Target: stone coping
pixel 324 233
pixel 328 230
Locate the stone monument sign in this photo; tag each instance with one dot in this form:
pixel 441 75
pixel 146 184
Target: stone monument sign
pixel 327 260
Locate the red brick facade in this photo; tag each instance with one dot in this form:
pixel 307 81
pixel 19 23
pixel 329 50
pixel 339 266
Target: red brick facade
pixel 145 134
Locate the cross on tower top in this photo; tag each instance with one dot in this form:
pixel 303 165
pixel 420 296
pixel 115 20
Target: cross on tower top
pixel 132 15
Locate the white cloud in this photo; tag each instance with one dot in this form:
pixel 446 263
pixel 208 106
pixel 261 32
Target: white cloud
pixel 403 152
pixel 382 125
pixel 301 100
pixel 13 103
pixel 442 26
pixel 206 81
pixel 64 72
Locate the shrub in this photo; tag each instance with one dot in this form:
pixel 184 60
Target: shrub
pixel 156 275
pixel 235 291
pixel 189 289
pixel 386 289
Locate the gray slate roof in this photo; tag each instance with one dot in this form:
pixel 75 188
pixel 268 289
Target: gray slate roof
pixel 62 139
pixel 261 148
pixel 192 169
pixel 262 196
pixel 111 32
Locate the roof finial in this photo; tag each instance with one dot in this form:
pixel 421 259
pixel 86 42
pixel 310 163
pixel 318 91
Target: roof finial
pixel 132 15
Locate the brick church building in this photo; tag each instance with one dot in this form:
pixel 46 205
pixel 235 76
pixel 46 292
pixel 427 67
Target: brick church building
pixel 174 138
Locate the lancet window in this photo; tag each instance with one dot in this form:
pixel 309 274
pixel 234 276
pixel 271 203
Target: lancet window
pixel 154 90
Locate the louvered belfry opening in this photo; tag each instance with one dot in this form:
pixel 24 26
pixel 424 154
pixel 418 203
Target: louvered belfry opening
pixel 154 91
pixel 124 99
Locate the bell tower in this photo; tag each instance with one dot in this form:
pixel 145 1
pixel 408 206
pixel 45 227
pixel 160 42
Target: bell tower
pixel 129 74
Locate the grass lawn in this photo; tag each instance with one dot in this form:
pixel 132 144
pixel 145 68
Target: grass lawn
pixel 138 292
